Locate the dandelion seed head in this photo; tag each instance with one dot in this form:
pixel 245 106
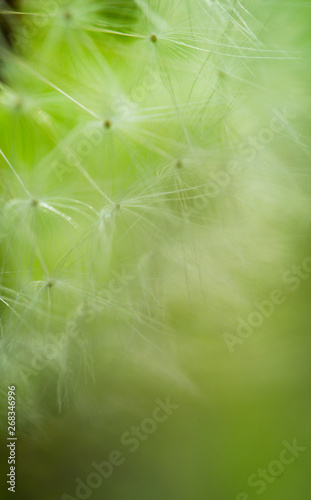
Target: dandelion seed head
pixel 97 117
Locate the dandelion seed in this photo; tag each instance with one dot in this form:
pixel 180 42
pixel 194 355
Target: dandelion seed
pixel 154 38
pixel 107 124
pixel 68 15
pixel 18 104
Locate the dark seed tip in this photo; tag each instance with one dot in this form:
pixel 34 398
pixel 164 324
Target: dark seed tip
pixel 68 15
pixel 18 103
